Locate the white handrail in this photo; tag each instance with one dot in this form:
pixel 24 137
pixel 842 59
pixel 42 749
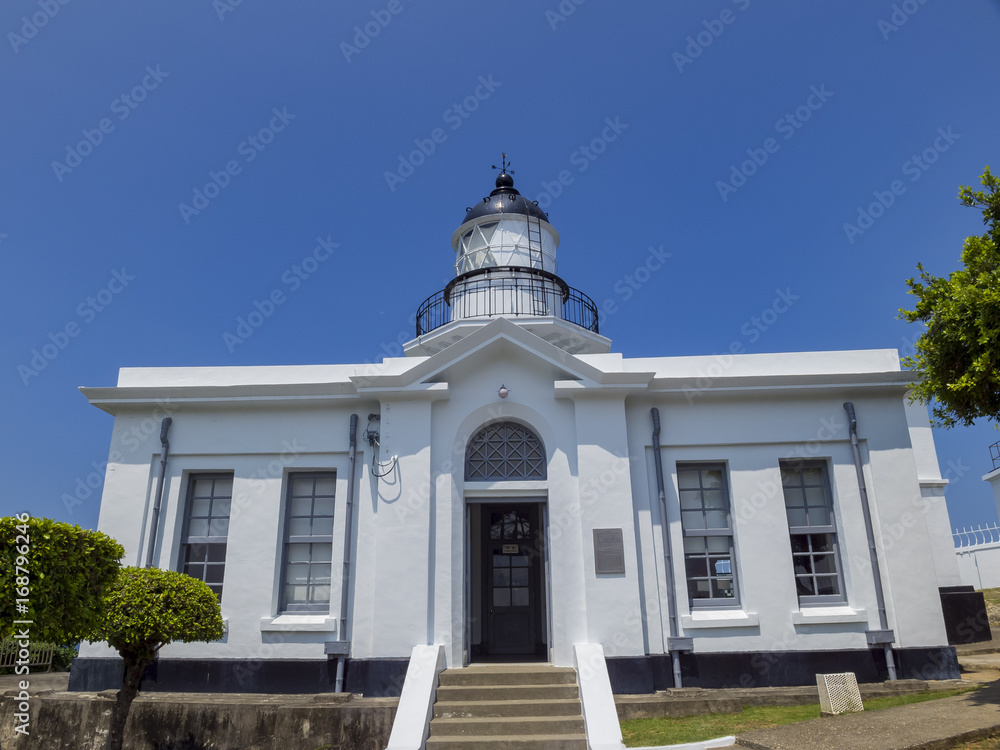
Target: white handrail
pixel 966 538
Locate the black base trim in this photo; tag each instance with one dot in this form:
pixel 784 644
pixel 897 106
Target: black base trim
pixel 647 674
pixel 375 678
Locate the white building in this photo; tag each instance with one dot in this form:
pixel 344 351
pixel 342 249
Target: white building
pixel 508 495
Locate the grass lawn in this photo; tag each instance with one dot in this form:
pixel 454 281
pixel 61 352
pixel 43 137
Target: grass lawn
pixel 667 731
pixel 990 744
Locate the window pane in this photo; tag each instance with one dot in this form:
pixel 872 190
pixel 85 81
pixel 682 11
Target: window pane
pixel 520 597
pixel 813 475
pixel 796 517
pixel 323 506
pixel 827 586
pixel 213 573
pixel 298 553
pixel 501 597
pixel 712 478
pixel 719 543
pixel 202 487
pixel 301 506
pixel 691 500
pixel 519 561
pixel 722 566
pixel 319 574
pixel 195 570
pixel 196 552
pixel 219 527
pixel 296 594
pixel 519 577
pixel 694 544
pixel 716 499
pixel 302 486
pixel 789 478
pixel 699 589
pixel 326 486
pixel 322 552
pixel 198 527
pixel 819 517
pixel 220 508
pixel 216 552
pixel 824 563
pixel 803 564
pixel 693 520
pixel 822 542
pixel 223 488
pixel 697 567
pixel 687 478
pixel 794 497
pixel 322 526
pixel 200 506
pixel 501 577
pixel 297 574
pixel 717 519
pixel 800 543
pixel 501 561
pixel 299 526
pixel 805 586
pixel 320 594
pixel 722 588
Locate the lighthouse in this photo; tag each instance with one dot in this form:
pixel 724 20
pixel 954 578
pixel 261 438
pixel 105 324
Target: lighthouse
pixel 505 266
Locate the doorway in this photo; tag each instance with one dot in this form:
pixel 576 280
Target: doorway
pixel 507 579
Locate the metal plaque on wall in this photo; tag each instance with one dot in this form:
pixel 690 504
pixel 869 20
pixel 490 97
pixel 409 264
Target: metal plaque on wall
pixel 609 551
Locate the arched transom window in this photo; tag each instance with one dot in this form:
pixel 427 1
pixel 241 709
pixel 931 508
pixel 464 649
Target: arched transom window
pixel 505 450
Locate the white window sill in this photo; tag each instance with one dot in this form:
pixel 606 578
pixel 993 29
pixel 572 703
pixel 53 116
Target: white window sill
pixel 725 618
pixel 828 616
pixel 298 623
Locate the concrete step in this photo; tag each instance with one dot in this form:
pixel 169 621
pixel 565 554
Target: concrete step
pixel 520 674
pixel 521 726
pixel 506 692
pixel 538 742
pixel 485 709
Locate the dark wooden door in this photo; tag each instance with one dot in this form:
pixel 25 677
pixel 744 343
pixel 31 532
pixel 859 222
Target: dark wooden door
pixel 512 583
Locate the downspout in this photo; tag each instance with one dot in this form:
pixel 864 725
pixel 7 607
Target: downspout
pixel 345 645
pixel 885 637
pixel 158 497
pixel 674 644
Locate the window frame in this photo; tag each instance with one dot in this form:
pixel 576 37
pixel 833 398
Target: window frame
pixel 809 530
pixel 733 602
pixel 287 539
pixel 187 540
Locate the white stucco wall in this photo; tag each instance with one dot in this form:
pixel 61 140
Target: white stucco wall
pixel 591 412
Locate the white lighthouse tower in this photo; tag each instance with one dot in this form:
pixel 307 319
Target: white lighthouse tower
pixel 505 266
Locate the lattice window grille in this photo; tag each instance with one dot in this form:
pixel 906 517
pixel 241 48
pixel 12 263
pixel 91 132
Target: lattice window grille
pixel 839 694
pixel 505 450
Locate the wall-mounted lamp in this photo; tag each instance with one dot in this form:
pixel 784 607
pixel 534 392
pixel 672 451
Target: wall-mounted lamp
pixel 503 392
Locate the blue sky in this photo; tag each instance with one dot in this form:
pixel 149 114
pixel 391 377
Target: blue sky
pixel 168 165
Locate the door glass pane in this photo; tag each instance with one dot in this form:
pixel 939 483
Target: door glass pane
pixel 520 597
pixel 501 597
pixel 519 577
pixel 519 561
pixel 501 577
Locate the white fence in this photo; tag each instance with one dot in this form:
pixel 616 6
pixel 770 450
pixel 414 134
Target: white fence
pixel 978 552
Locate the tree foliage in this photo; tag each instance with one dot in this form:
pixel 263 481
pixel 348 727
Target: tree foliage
pixel 144 610
pixel 958 355
pixel 69 570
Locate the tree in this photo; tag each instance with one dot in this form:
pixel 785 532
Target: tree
pixel 146 609
pixel 958 355
pixel 66 571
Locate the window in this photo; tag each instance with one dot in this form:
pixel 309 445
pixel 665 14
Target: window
pixel 505 450
pixel 308 550
pixel 206 528
pixel 709 560
pixel 813 532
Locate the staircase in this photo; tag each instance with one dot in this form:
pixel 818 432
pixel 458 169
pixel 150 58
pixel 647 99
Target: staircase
pixel 508 707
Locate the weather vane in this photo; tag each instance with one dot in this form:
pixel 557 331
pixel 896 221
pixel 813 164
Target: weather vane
pixel 504 164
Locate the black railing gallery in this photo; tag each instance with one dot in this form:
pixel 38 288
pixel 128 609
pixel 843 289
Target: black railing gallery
pixel 506 291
